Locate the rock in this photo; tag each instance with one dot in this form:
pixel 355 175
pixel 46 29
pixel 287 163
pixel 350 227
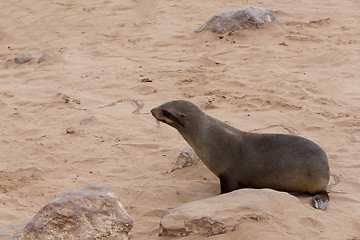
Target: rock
pixel 70 130
pixel 12 232
pixel 8 62
pixel 225 212
pixel 186 158
pixel 244 18
pixel 69 96
pixel 23 58
pixel 94 212
pixel 49 56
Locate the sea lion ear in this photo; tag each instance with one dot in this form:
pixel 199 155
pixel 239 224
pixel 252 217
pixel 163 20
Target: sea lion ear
pixel 183 115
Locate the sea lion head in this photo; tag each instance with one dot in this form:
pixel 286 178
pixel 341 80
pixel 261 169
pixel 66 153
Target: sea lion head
pixel 179 114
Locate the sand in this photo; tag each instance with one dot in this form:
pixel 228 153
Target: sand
pixel 116 60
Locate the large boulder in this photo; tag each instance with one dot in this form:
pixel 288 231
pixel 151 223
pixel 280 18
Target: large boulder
pixel 94 212
pixel 225 212
pixel 244 18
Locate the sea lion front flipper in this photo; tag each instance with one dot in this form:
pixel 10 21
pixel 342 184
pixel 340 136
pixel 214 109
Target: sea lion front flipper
pixel 320 200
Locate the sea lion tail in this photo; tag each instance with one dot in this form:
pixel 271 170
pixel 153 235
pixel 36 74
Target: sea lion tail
pixel 320 200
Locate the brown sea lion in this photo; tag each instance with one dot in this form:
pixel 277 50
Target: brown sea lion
pixel 241 159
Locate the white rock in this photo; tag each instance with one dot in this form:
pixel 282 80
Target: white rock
pixel 225 212
pixel 244 18
pixel 186 158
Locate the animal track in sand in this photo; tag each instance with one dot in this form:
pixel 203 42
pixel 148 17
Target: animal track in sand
pixel 290 130
pixel 70 96
pixel 334 180
pixel 139 104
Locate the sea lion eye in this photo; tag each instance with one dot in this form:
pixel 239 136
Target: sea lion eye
pixel 171 117
pixel 183 115
pixel 165 113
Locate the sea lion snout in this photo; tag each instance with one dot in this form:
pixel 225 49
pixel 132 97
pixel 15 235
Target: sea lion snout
pixel 157 114
pixel 162 116
pixel 154 113
pixel 165 115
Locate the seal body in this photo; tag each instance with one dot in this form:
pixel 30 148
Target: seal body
pixel 241 159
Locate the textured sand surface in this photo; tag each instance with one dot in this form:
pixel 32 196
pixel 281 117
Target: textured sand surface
pixel 115 60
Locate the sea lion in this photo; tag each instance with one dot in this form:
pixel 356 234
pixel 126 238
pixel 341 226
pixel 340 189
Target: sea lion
pixel 242 159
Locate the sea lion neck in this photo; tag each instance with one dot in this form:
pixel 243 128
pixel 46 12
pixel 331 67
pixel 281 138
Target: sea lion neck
pixel 206 129
pixel 194 127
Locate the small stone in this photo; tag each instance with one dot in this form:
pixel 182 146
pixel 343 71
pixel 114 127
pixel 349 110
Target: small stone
pixel 244 18
pixel 66 98
pixel 77 101
pixel 144 80
pixel 70 130
pixel 186 158
pixel 8 62
pixel 49 55
pixel 23 58
pixel 69 96
pixel 320 21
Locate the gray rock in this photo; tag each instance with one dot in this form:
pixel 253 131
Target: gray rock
pixel 49 55
pixel 244 18
pixel 12 232
pixel 23 58
pixel 8 62
pixel 94 212
pixel 224 213
pixel 186 158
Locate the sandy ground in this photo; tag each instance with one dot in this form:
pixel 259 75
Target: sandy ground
pixel 301 76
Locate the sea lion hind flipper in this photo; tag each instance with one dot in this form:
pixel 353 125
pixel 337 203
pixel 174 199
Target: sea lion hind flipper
pixel 320 200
